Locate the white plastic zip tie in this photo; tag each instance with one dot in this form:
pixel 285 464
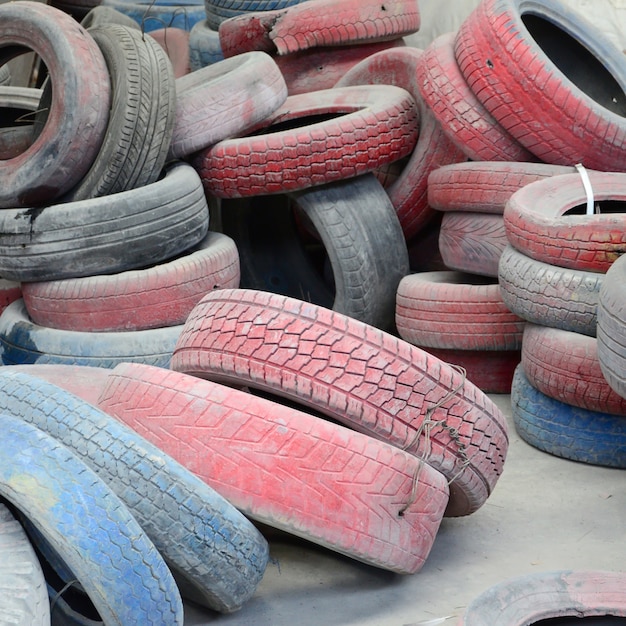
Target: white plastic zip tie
pixel 588 188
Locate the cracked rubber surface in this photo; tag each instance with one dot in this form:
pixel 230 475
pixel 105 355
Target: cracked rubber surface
pixel 83 520
pixel 294 471
pixel 214 552
pixel 354 373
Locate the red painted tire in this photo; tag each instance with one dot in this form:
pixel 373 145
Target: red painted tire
pixel 564 365
pixel 455 311
pixel 354 373
pixel 290 470
pixel 224 100
pixel 319 23
pixel 81 98
pixel 472 242
pixel 367 127
pixel 461 115
pixel 409 192
pixel 161 295
pixel 9 292
pixel 549 295
pixel 550 78
pixel 175 43
pixel 484 187
pixel 534 598
pixel 546 220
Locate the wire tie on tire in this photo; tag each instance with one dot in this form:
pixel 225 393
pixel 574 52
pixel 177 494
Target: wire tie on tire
pixel 413 496
pixel 62 591
pixel 588 189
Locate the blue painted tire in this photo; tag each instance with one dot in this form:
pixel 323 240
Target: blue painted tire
pixel 88 525
pixel 23 342
pixel 219 10
pixel 216 554
pixel 566 431
pixel 161 13
pixel 204 46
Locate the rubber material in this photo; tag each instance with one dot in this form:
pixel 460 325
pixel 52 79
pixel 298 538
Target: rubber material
pixel 100 15
pixel 9 292
pixel 290 470
pixel 365 128
pixel 5 75
pixel 214 552
pixel 354 373
pixel 548 295
pixel 80 104
pixel 564 430
pixel 204 46
pixel 124 231
pixel 175 43
pixel 83 520
pixel 158 14
pixel 219 10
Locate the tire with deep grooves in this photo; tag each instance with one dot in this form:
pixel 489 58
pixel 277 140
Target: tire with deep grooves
pixel 354 373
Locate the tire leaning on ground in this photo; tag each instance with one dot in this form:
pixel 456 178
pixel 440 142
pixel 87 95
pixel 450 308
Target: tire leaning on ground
pixel 80 103
pixel 354 373
pixel 115 233
pixel 83 520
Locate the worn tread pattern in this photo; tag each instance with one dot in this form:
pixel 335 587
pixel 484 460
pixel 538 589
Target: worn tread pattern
pixel 207 543
pixel 204 46
pixel 549 295
pixel 290 470
pixel 88 526
pixel 564 430
pixel 454 310
pixel 354 373
pixel 161 295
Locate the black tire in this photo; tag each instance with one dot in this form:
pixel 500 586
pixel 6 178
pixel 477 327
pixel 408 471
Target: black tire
pixel 184 517
pixel 22 342
pixel 83 520
pixel 564 430
pixel 123 231
pixel 360 232
pixel 142 115
pixel 548 295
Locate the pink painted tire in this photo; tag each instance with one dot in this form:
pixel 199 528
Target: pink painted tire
pixel 9 292
pixel 354 373
pixel 484 187
pixel 317 24
pixel 175 43
pixel 535 597
pixel 409 192
pixel 539 221
pixel 153 297
pixel 367 127
pixel 225 99
pixel 461 114
pixel 81 98
pixel 287 469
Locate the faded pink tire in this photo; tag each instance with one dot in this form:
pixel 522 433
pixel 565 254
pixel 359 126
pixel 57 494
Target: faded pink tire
pixel 366 128
pixel 157 296
pixel 461 114
pixel 549 77
pixel 290 470
pixel 546 220
pixel 319 23
pixel 472 242
pixel 533 598
pixel 564 365
pixel 409 192
pixel 175 43
pixel 354 373
pixel 9 292
pixel 81 97
pixel 456 311
pixel 484 187
pixel 224 100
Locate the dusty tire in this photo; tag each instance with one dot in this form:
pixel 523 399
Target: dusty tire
pixel 17 107
pixel 80 103
pixel 5 75
pixel 219 10
pixel 204 46
pixel 354 373
pixel 548 295
pixel 183 14
pixel 550 78
pixel 455 311
pixel 105 235
pixel 100 15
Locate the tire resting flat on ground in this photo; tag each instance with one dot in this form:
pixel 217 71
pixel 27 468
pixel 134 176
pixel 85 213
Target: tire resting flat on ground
pixel 126 230
pixel 83 520
pixel 554 81
pixel 564 430
pixel 369 126
pixel 288 469
pixel 214 552
pixel 80 105
pixel 354 373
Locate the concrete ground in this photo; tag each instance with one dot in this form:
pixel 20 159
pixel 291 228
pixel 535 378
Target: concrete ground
pixel 545 514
